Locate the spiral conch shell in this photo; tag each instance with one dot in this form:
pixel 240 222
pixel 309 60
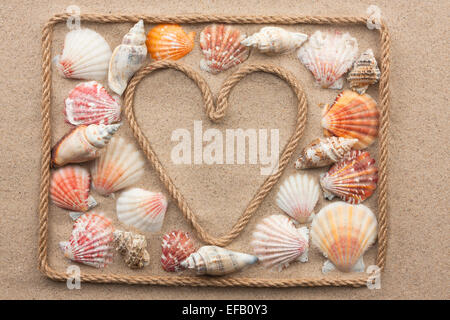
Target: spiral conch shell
pixel 216 261
pixel 322 152
pixel 364 73
pixel 127 58
pixel 82 143
pixel 275 40
pixel 133 248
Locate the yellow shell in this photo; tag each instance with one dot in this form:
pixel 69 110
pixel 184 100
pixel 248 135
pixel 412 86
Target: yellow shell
pixel 169 41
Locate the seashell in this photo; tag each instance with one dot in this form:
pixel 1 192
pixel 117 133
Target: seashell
pixel 275 40
pixel 142 209
pixel 277 242
pixel 91 241
pixel 353 179
pixel 69 189
pixel 176 246
pixel 222 48
pixel 82 143
pixel 216 261
pixel 328 56
pixel 343 232
pixel 169 41
pixel 364 73
pixel 133 248
pixel 352 116
pixel 298 195
pixel 322 152
pixel 85 55
pixel 119 167
pixel 90 103
pixel 127 58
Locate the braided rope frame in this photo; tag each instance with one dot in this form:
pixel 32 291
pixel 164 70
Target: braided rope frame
pixel 215 114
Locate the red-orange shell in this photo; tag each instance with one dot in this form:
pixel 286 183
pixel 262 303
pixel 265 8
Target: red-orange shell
pixel 176 246
pixel 169 41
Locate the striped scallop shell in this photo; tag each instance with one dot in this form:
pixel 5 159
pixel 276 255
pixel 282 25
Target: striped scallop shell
pixel 176 246
pixel 298 196
pixel 352 116
pixel 69 189
pixel 222 48
pixel 118 167
pixel 343 232
pixel 277 242
pixel 142 209
pixel 91 241
pixel 352 179
pixel 169 41
pixel 85 55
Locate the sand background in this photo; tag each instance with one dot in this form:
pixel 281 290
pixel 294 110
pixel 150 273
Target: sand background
pixel 417 260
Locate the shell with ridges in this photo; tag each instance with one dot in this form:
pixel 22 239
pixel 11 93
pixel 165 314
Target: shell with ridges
pixel 169 41
pixel 118 167
pixel 364 73
pixel 69 189
pixel 222 48
pixel 343 232
pixel 127 58
pixel 275 40
pixel 329 55
pixel 353 179
pixel 85 55
pixel 298 195
pixel 91 241
pixel 176 246
pixel 142 209
pixel 322 152
pixel 133 248
pixel 277 242
pixel 352 116
pixel 216 261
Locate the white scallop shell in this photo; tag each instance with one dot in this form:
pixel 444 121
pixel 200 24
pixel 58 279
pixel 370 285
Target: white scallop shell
pixel 298 196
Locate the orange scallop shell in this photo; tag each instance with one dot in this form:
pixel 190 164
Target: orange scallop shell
pixel 169 41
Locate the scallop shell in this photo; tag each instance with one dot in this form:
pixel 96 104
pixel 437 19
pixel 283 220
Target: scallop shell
pixel 69 189
pixel 343 232
pixel 323 152
pixel 328 56
pixel 277 242
pixel 176 246
pixel 352 116
pixel 133 248
pixel 222 48
pixel 82 143
pixel 90 103
pixel 364 73
pixel 91 241
pixel 275 40
pixel 142 209
pixel 85 55
pixel 169 41
pixel 119 167
pixel 127 58
pixel 298 196
pixel 353 179
pixel 216 261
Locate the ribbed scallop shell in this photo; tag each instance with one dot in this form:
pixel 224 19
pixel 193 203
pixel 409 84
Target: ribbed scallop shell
pixel 343 232
pixel 119 167
pixel 169 41
pixel 322 152
pixel 133 248
pixel 85 55
pixel 69 189
pixel 364 73
pixel 352 116
pixel 329 55
pixel 176 246
pixel 142 209
pixel 91 241
pixel 222 48
pixel 352 179
pixel 277 242
pixel 298 195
